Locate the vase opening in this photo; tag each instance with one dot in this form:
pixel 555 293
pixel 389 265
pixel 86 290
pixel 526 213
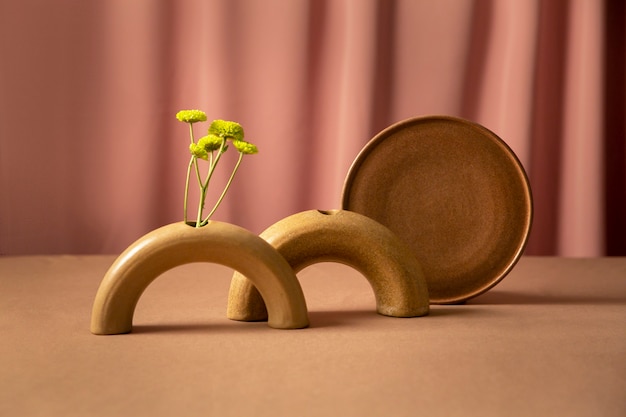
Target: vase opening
pixel 328 212
pixel 193 224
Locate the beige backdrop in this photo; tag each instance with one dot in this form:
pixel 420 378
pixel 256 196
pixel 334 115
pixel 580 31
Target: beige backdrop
pixel 91 156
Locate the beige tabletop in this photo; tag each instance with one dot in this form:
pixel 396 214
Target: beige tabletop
pixel 549 340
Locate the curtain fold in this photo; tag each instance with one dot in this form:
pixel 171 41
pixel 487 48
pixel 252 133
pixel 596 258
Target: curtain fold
pixel 614 125
pixel 544 167
pixel 581 199
pixel 91 156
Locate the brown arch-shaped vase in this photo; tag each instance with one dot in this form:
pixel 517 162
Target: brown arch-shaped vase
pixel 346 237
pixel 179 243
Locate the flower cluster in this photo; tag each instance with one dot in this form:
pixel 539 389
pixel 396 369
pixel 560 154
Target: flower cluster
pixel 191 116
pixel 210 148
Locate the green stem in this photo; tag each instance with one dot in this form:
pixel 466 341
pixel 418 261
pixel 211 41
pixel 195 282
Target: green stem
pixel 205 185
pixel 192 161
pixel 230 180
pixel 200 206
pixel 185 201
pixel 198 176
pixel 191 132
pixel 202 191
pixel 213 164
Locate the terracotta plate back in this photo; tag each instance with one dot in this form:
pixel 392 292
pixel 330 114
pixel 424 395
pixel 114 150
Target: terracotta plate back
pixel 455 192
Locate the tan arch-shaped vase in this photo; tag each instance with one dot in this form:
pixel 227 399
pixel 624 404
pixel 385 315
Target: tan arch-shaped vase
pixel 179 243
pixel 346 237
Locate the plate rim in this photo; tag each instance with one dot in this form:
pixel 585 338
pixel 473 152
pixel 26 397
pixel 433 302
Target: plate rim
pixel 380 137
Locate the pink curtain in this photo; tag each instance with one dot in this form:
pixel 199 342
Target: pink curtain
pixel 91 156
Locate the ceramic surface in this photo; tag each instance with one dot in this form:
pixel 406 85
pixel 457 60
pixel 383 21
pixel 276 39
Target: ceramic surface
pixel 454 192
pixel 177 244
pixel 350 238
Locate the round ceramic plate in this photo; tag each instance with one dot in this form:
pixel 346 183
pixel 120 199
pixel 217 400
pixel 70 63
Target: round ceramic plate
pixel 452 190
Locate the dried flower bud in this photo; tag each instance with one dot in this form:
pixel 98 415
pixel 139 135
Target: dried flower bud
pixel 198 151
pixel 226 129
pixel 191 116
pixel 210 143
pixel 245 147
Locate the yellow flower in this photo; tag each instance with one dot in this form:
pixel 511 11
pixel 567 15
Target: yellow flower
pixel 245 147
pixel 205 145
pixel 219 133
pixel 191 116
pixel 210 143
pixel 226 129
pixel 198 151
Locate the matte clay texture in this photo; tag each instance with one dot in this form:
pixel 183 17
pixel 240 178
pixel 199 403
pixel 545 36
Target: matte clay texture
pixel 454 192
pixel 178 244
pixel 345 237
